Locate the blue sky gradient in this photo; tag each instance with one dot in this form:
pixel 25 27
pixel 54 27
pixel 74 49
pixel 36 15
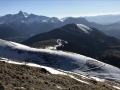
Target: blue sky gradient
pixel 61 8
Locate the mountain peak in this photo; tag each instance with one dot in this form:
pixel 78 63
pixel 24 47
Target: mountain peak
pixel 23 13
pixel 20 12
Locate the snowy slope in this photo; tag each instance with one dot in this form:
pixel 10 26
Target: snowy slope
pixel 58 59
pixel 84 28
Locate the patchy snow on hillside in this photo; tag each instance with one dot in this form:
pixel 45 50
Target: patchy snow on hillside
pixel 98 79
pixel 78 79
pixel 51 70
pixel 60 60
pixel 25 14
pixel 60 44
pixel 86 29
pixel 116 87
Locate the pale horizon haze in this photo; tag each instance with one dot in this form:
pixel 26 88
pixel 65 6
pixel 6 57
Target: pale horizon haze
pixel 61 8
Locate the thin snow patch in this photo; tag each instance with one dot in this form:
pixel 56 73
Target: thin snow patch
pixel 86 29
pixel 98 79
pixel 51 70
pixel 60 44
pixel 51 48
pixel 78 79
pixel 20 88
pixel 52 21
pixel 25 14
pixel 44 21
pixel 59 87
pixel 61 20
pixel 116 87
pixel 12 62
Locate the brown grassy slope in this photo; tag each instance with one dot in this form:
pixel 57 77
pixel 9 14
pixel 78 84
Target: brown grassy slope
pixel 44 44
pixel 21 77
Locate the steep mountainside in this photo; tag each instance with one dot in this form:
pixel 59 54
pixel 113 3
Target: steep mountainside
pixel 79 35
pixel 71 31
pixel 111 29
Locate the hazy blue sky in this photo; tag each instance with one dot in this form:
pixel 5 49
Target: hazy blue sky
pixel 60 8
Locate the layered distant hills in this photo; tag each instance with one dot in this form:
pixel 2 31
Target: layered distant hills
pixel 104 19
pixel 30 24
pixel 76 33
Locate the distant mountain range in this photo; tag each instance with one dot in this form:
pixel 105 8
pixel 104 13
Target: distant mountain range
pixel 28 23
pixel 104 19
pixel 31 24
pixel 23 17
pixel 101 19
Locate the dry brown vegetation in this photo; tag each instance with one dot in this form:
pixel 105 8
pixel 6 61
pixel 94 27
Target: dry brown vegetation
pixel 21 77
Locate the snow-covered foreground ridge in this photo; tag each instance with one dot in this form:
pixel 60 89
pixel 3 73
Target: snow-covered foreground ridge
pixel 58 59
